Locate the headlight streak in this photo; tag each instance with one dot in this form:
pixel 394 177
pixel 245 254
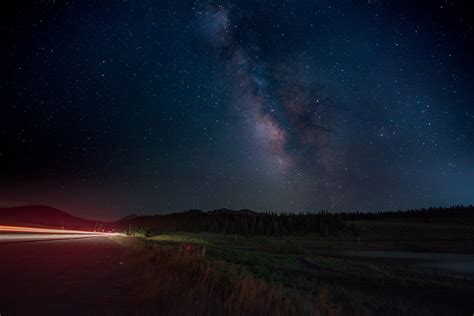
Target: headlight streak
pixel 22 229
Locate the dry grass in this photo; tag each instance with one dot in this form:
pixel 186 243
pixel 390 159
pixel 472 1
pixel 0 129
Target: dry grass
pixel 177 283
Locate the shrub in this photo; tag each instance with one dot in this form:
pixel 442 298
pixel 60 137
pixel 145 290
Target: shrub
pixel 180 283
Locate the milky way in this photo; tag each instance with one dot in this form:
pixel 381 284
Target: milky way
pixel 295 106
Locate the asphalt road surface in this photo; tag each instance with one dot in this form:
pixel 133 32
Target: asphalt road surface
pixel 65 275
pixel 18 238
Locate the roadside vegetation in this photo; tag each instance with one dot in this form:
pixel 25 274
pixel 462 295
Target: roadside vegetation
pixel 298 270
pixel 171 282
pixel 288 270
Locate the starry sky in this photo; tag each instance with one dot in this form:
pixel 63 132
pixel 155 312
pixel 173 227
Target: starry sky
pixel 117 107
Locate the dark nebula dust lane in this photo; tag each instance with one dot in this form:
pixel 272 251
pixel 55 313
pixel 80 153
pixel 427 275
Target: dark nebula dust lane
pixel 147 107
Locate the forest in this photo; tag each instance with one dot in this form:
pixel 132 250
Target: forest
pixel 251 223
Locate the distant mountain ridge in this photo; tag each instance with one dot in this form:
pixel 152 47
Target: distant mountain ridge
pixel 46 216
pixel 223 220
pixel 127 218
pixel 43 216
pixel 230 211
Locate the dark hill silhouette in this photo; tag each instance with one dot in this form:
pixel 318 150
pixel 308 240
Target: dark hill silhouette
pixel 127 218
pixel 229 211
pixel 44 216
pixel 246 212
pixel 222 211
pixel 244 221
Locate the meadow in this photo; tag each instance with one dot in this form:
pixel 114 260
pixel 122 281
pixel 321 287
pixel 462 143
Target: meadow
pixel 306 274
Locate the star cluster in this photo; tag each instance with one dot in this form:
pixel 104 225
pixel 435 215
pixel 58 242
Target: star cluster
pixel 136 106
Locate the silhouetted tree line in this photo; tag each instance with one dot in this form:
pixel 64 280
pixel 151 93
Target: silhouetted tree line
pixel 244 224
pixel 455 211
pixel 253 223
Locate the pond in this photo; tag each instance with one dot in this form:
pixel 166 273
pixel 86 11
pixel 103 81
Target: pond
pixel 452 263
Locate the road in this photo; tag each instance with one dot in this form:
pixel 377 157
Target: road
pixel 66 275
pixel 18 238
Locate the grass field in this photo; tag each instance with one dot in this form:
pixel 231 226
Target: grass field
pixel 303 266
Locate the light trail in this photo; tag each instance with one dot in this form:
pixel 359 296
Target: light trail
pixel 21 229
pixel 16 234
pixel 15 238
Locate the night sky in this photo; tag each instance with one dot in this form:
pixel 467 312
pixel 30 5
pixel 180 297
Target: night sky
pixel 117 107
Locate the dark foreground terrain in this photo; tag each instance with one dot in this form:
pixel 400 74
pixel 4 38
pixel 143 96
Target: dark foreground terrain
pixel 64 277
pixel 126 276
pixel 389 267
pixel 371 267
